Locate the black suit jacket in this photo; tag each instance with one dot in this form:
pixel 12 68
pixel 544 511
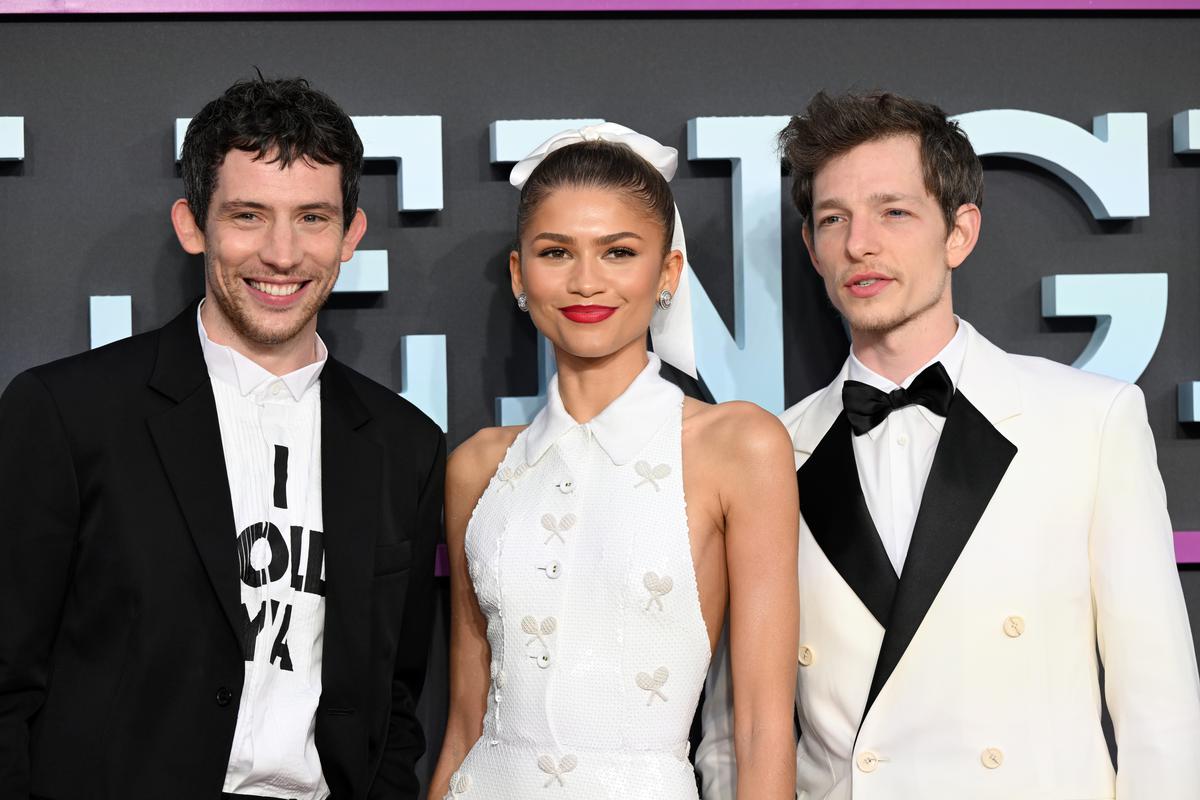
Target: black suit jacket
pixel 120 615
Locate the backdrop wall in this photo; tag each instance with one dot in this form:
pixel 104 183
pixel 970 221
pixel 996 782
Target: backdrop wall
pixel 84 212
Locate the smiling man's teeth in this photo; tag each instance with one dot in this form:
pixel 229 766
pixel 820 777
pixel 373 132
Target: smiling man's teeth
pixel 276 289
pixel 866 282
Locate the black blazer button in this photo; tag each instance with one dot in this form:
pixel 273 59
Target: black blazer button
pixel 224 696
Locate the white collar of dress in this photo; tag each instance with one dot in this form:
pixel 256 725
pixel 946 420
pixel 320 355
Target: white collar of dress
pixel 622 429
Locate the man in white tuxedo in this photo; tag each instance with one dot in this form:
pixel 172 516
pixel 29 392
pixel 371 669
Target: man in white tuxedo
pixel 976 526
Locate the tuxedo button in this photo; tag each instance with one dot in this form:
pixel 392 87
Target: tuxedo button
pixel 805 656
pixel 1014 626
pixel 992 758
pixel 902 440
pixel 867 761
pixel 224 697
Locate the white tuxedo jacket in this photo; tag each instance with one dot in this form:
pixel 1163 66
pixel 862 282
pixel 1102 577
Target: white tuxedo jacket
pixel 1042 538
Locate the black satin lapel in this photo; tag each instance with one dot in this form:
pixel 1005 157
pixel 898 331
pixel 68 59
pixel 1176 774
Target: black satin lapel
pixel 188 438
pixel 351 506
pixel 833 507
pixel 970 461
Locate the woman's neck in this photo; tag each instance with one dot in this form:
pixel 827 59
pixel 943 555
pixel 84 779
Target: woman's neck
pixel 587 386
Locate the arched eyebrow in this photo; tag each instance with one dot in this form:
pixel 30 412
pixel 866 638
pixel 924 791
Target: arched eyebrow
pixel 616 237
pixel 609 238
pixel 561 238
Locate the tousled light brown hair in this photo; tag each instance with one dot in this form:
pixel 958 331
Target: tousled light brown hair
pixel 833 125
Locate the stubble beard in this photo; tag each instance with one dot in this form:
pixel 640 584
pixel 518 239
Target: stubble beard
pixel 885 321
pixel 233 307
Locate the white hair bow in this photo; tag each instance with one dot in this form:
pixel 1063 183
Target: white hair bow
pixel 670 330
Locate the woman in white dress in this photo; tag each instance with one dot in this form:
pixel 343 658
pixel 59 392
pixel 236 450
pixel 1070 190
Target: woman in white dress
pixel 586 594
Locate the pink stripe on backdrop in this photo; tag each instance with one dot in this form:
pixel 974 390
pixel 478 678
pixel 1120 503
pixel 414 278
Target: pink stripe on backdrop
pixel 1187 551
pixel 441 565
pixel 316 6
pixel 1187 547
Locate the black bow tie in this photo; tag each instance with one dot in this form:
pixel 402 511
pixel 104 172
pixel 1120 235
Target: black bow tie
pixel 867 406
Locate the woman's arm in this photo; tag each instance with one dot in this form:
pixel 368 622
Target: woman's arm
pixel 468 471
pixel 761 531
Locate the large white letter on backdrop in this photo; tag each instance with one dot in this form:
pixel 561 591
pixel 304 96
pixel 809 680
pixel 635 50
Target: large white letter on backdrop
pixel 12 138
pixel 749 364
pixel 1186 130
pixel 1109 170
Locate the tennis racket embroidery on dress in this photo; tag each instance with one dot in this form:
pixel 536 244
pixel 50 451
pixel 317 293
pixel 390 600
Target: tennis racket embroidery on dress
pixel 650 475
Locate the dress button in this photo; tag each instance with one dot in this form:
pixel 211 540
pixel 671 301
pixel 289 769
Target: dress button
pixel 867 761
pixel 567 486
pixel 1014 626
pixel 992 758
pixel 543 661
pixel 552 570
pixel 224 697
pixel 805 656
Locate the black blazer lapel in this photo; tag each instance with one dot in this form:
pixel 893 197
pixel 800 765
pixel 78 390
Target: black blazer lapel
pixel 833 507
pixel 970 461
pixel 188 438
pixel 351 478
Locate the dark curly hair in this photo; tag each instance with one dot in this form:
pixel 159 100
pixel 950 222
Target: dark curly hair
pixel 283 120
pixel 831 126
pixel 604 165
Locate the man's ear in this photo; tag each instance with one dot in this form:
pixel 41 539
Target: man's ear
pixel 354 234
pixel 191 238
pixel 514 272
pixel 964 234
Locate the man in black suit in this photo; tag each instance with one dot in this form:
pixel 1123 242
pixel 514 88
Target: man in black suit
pixel 216 548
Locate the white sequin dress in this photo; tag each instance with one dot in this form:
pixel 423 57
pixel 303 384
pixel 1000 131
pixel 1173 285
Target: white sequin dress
pixel 580 558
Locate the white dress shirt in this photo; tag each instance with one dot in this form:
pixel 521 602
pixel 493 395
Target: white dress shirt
pixel 271 438
pixel 894 457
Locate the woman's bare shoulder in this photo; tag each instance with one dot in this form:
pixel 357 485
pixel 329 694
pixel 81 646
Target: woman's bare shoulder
pixel 473 462
pixel 736 430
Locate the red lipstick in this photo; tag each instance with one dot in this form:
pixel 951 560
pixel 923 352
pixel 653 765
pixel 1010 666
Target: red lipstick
pixel 588 314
